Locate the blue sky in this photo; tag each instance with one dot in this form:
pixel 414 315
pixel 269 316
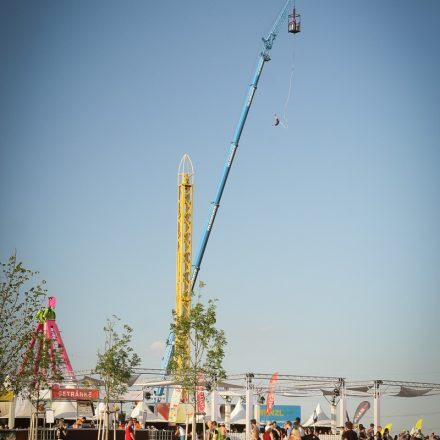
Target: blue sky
pixel 325 254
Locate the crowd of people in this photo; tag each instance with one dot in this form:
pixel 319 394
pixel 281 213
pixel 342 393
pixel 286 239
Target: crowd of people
pixel 349 433
pixel 268 431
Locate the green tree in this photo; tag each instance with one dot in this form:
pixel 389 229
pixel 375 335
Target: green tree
pixel 115 365
pixel 38 373
pixel 20 298
pixel 203 361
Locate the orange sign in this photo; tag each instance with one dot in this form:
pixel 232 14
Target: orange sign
pixel 75 394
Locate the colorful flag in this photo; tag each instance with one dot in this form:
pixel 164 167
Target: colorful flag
pixel 360 411
pixel 271 394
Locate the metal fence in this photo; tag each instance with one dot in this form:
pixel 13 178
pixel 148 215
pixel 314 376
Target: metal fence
pixel 156 434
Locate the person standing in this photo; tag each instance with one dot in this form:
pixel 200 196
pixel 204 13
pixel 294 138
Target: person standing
pixel 362 432
pixel 378 434
pixel 129 431
pixel 299 426
pixel 295 433
pixel 222 432
pixel 181 432
pixel 61 431
pixel 386 434
pixel 214 431
pixel 349 434
pixel 275 431
pixel 255 433
pixel 268 435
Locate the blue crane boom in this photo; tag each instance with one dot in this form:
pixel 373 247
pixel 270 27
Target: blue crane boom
pixel 263 57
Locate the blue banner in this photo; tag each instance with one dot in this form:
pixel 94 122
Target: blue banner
pixel 280 413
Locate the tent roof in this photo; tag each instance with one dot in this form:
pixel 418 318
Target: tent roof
pixel 320 416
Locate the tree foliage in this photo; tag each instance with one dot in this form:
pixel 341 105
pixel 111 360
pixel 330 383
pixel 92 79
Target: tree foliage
pixel 115 365
pixel 20 298
pixel 39 371
pixel 204 358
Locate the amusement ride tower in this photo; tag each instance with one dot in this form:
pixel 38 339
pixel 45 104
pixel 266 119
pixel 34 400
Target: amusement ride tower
pixel 47 332
pixel 185 190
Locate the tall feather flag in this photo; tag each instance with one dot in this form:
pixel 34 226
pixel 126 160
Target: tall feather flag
pixel 417 426
pixel 362 408
pixel 271 394
pixel 200 395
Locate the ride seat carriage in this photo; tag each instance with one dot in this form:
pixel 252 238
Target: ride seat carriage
pixel 294 23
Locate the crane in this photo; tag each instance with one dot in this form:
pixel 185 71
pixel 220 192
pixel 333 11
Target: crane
pixel 294 26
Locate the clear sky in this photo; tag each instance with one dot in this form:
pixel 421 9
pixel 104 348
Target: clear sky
pixel 326 250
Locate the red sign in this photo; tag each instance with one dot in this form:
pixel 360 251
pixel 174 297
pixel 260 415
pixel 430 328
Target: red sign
pixel 271 393
pixel 75 394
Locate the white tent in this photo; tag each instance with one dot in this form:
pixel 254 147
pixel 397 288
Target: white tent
pixel 23 408
pixel 238 414
pixel 320 417
pixel 65 410
pixel 139 409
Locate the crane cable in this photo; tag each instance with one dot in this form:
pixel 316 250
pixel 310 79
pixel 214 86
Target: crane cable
pixel 283 120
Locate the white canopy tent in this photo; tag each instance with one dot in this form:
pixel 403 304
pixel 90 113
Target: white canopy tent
pixel 238 414
pixel 318 418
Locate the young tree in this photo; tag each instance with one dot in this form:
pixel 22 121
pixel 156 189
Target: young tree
pixel 115 365
pixel 20 299
pixel 38 373
pixel 198 350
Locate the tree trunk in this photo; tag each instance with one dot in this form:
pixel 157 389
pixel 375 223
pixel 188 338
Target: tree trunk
pixel 106 422
pixel 194 423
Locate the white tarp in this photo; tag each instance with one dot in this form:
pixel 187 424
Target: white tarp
pixel 320 417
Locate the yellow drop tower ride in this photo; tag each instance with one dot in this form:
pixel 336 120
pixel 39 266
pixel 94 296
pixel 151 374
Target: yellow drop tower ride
pixel 185 190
